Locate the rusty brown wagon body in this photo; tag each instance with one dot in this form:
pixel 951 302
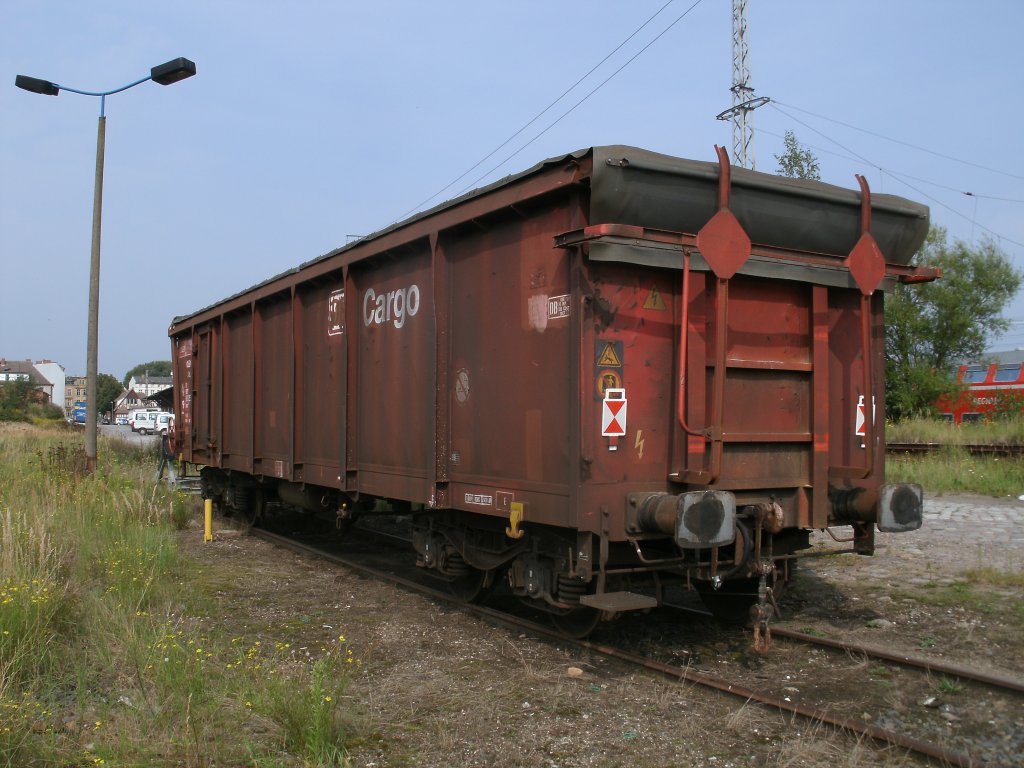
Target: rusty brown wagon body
pixel 612 370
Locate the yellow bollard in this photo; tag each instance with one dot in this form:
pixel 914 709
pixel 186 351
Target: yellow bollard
pixel 208 515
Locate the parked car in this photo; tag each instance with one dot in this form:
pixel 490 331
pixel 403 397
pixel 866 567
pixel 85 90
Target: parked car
pixel 121 420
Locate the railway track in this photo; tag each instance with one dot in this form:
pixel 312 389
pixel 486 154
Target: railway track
pixel 822 713
pixel 975 449
pixel 933 666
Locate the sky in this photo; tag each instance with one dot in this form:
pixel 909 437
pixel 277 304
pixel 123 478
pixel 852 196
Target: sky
pixel 312 122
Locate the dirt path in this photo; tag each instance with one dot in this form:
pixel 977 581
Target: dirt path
pixel 436 687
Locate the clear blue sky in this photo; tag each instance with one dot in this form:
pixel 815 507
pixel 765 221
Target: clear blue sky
pixel 312 121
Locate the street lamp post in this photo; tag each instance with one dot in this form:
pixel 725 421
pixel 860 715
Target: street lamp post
pixel 165 74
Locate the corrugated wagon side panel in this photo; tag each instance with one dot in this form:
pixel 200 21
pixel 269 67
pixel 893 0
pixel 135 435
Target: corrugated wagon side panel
pixel 204 414
pixel 237 362
pixel 181 349
pixel 628 345
pixel 395 373
pixel 511 367
pixel 320 382
pixel 275 403
pixel 846 372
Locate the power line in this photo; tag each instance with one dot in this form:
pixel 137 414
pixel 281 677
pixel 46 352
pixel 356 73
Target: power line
pixel 965 193
pixel 540 114
pixel 898 178
pixel 904 143
pixel 975 195
pixel 569 111
pixel 813 146
pixel 952 210
pixel 858 156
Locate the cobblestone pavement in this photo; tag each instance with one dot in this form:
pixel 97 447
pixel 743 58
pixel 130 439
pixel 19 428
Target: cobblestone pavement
pixel 966 509
pixel 959 532
pixel 989 527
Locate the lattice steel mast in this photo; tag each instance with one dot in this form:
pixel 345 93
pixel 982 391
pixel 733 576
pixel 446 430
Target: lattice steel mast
pixel 743 100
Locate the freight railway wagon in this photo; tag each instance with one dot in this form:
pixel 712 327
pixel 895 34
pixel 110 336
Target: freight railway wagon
pixel 613 372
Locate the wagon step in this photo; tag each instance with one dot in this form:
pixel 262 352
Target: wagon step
pixel 619 601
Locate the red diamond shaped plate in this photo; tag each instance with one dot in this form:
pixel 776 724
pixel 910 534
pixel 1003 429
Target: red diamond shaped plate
pixel 867 264
pixel 724 244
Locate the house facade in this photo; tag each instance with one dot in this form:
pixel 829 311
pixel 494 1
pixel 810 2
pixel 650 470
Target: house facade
pixel 146 386
pixel 128 401
pixel 46 376
pixel 74 395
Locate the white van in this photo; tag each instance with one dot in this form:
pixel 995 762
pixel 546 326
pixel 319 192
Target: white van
pixel 146 422
pixel 136 413
pixel 163 423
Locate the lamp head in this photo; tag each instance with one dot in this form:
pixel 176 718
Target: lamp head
pixel 35 85
pixel 172 71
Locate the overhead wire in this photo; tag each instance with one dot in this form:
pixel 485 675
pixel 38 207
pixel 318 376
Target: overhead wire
pixel 540 114
pixel 896 177
pixel 571 109
pixel 556 101
pixel 898 141
pixel 975 195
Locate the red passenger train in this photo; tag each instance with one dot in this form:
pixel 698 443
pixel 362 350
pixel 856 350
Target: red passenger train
pixel 615 371
pixel 989 389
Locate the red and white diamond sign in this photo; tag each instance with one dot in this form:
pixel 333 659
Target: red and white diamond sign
pixel 613 413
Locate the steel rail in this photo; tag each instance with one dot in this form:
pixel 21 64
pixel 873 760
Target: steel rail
pixel 909 660
pixel 683 674
pixel 1002 682
pixel 927 748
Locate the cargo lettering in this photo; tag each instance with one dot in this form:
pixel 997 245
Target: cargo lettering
pixel 391 307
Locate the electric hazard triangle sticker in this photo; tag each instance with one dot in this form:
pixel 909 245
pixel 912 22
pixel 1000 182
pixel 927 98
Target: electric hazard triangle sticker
pixel 654 300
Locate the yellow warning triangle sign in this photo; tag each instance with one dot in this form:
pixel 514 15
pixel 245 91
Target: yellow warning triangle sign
pixel 654 300
pixel 609 357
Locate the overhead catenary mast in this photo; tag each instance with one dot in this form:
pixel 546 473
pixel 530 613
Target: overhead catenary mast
pixel 743 99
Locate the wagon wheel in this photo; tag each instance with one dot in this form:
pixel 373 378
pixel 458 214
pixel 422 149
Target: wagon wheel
pixel 251 513
pixel 576 623
pixel 467 583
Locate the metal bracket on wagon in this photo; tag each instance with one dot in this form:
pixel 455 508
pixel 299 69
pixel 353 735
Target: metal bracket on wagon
pixel 706 519
pixel 722 241
pixel 900 507
pixel 894 508
pixel 697 520
pixel 515 517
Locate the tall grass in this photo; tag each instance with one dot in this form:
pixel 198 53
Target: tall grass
pixel 1006 431
pixel 105 657
pixel 952 469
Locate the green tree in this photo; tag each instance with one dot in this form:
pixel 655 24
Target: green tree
pixel 14 399
pixel 797 162
pixel 20 401
pixel 152 368
pixel 107 390
pixel 931 328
